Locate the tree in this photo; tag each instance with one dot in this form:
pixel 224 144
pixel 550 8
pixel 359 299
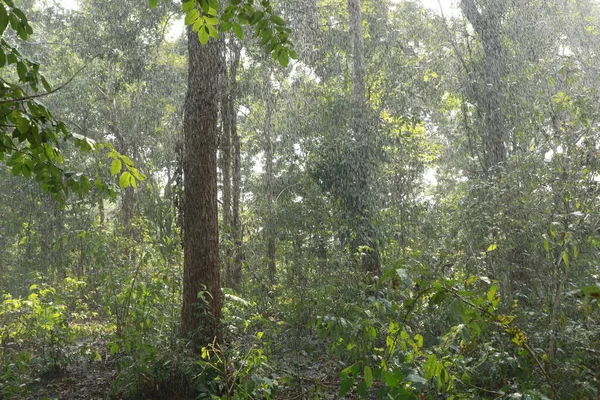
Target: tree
pixel 202 297
pixel 201 276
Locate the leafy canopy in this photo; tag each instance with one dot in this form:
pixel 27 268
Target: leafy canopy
pixel 270 29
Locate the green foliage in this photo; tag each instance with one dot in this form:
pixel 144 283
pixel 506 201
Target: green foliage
pixel 32 140
pixel 204 18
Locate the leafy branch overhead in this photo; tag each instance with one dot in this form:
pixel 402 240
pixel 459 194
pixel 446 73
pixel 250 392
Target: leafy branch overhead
pixel 269 28
pixel 31 139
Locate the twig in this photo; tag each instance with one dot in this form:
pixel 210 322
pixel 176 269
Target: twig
pixel 34 96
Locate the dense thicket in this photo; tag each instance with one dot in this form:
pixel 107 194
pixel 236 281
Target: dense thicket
pixel 409 210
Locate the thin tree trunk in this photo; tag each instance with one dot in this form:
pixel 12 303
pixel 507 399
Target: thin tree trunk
pixel 202 297
pixel 365 235
pixel 234 276
pixel 489 98
pixel 268 176
pixel 225 164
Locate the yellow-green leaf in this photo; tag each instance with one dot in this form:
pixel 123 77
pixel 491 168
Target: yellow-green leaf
pixel 192 16
pixel 115 166
pixel 368 375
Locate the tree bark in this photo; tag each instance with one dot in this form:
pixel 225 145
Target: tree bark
pixel 362 134
pixel 268 176
pixel 234 275
pixel 489 97
pixel 202 297
pixel 225 164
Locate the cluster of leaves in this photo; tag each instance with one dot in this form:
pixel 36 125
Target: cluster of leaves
pixel 39 334
pixel 32 141
pixel 203 16
pixel 377 338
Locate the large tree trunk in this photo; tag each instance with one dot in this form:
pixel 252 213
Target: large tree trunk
pixel 201 314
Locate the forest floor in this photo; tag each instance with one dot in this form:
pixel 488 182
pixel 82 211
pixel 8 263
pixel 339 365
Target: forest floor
pixel 86 380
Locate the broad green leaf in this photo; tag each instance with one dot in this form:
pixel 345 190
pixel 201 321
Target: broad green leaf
pixel 152 3
pixel 547 246
pixel 211 20
pixel 212 31
pixel 203 35
pixel 23 125
pixel 256 16
pixel 238 31
pixel 192 16
pixel 430 367
pixel 188 5
pixel 22 71
pixel 361 389
pixel 393 378
pixel 345 386
pixel 283 58
pixel 368 376
pixel 3 19
pixel 198 25
pixel 492 247
pixel 115 166
pixel 565 257
pixel 491 294
pixel 419 340
pixel 204 6
pixel 277 20
pixel 125 180
pixel 225 26
pixel 214 4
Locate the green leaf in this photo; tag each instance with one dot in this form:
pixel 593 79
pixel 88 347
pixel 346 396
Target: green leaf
pixel 492 247
pixel 491 294
pixel 256 16
pixel 345 386
pixel 192 16
pixel 277 20
pixel 361 389
pixel 225 26
pixel 115 166
pixel 212 31
pixel 429 369
pixel 47 86
pixel 3 19
pixel 214 4
pixel 547 246
pixel 188 5
pixel 22 71
pixel 125 180
pixel 204 6
pixel 238 31
pixel 419 340
pixel 393 378
pixel 565 257
pixel 283 58
pixel 211 20
pixel 368 375
pixel 152 3
pixel 203 35
pixel 23 125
